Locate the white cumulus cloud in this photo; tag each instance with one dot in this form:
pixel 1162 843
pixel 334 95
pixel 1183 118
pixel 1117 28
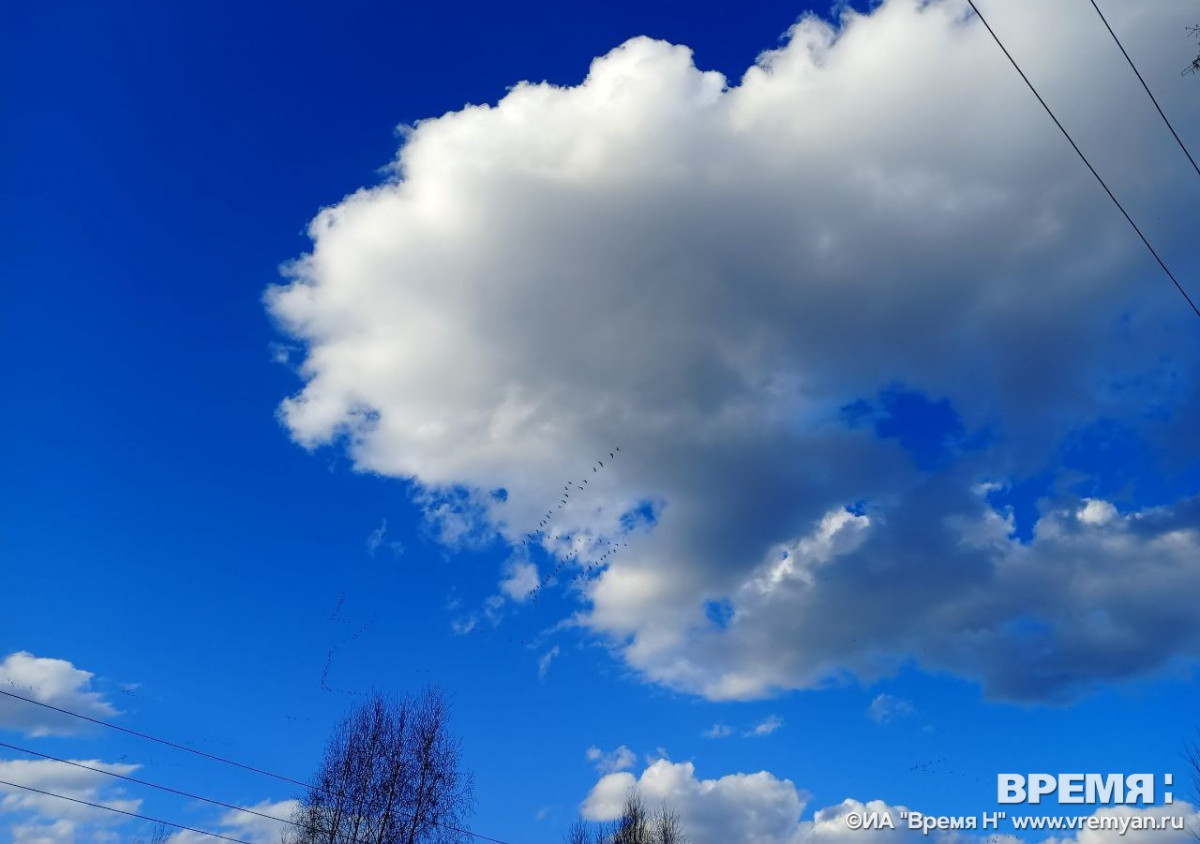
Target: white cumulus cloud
pixel 707 272
pixel 51 681
pixel 749 808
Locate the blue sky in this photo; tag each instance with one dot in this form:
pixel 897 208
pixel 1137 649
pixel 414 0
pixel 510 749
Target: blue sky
pixel 906 490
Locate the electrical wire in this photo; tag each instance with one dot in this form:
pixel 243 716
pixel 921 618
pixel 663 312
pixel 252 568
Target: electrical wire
pixel 1183 292
pixel 1146 87
pixel 123 812
pixel 215 758
pixel 149 784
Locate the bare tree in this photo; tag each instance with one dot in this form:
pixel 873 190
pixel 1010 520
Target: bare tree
pixel 580 833
pixel 158 835
pixel 633 827
pixel 391 775
pixel 636 825
pixel 1194 67
pixel 667 827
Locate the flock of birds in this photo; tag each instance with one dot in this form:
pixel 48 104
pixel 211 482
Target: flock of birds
pixel 572 491
pixel 542 532
pixel 936 766
pixel 325 687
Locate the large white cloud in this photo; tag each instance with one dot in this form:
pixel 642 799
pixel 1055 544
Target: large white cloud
pixel 52 681
pixel 705 274
pixel 750 808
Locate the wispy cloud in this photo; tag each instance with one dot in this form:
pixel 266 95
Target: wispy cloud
pixel 544 663
pixel 885 708
pixel 765 727
pixel 620 759
pixel 464 624
pixel 376 540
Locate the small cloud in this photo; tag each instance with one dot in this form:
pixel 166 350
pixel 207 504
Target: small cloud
pixel 659 755
pixel 493 609
pixel 375 538
pixel 717 731
pixel 544 662
pixel 621 759
pixel 766 727
pixel 464 624
pixel 456 517
pixel 885 708
pixel 520 581
pixel 1096 512
pixel 542 813
pixel 279 352
pixel 375 541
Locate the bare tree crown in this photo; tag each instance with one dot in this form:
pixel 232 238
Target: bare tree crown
pixel 391 774
pixel 637 825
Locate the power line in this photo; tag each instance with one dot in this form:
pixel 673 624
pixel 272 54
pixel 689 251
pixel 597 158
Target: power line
pixel 149 784
pixel 165 788
pixel 220 759
pixel 1084 159
pixel 148 737
pixel 123 812
pixel 1137 73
